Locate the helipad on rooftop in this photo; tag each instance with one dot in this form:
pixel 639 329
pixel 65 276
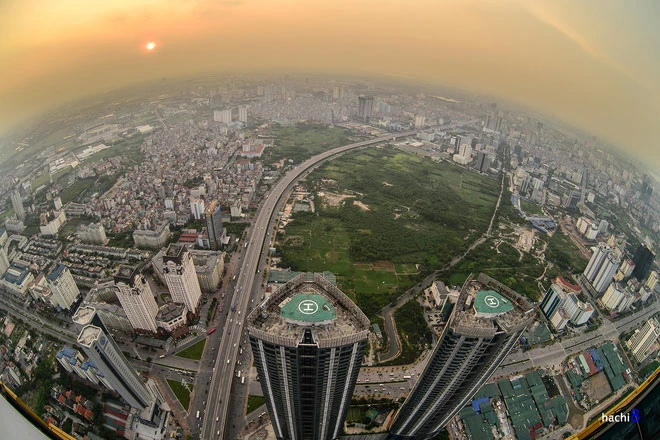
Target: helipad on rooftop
pixel 308 307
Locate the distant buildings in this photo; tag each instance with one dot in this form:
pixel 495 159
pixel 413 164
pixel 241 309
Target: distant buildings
pixel 485 325
pixel 92 233
pixel 181 278
pixel 63 289
pixel 223 116
pixel 243 114
pixel 644 341
pixel 197 208
pixel 136 298
pixel 308 341
pixel 365 108
pixel 464 155
pixel 152 239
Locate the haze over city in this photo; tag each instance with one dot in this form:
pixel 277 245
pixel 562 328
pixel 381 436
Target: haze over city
pixel 592 64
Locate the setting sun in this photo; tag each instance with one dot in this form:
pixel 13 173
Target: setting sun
pixel 150 46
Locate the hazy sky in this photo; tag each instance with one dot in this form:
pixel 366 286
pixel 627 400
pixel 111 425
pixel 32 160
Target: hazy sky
pixel 595 64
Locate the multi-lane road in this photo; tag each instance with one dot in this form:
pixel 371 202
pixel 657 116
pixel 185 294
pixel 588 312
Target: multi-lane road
pixel 248 291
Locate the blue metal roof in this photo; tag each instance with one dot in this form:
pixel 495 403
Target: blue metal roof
pixel 54 275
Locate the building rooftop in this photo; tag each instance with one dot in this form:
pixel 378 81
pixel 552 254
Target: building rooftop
pixel 89 334
pixel 84 315
pixel 308 301
pixel 486 306
pixel 55 274
pixel 126 274
pixel 175 253
pixel 307 307
pixel 170 311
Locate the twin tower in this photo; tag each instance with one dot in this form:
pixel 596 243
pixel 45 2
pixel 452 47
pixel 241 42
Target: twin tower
pixel 308 341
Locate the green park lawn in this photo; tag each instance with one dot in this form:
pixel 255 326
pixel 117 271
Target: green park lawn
pixel 194 351
pixel 181 392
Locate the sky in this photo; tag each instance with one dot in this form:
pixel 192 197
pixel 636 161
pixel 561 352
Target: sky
pixel 592 63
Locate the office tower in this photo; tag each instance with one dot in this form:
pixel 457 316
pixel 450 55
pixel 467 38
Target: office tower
pixel 560 307
pixel 223 116
pixel 483 162
pixel 308 340
pixel 242 114
pixel 606 273
pixel 197 208
pixel 643 342
pixel 365 107
pixel 485 325
pixel 643 259
pixel 214 224
pixel 17 203
pixel 63 289
pixel 136 298
pixel 180 276
pixel 102 350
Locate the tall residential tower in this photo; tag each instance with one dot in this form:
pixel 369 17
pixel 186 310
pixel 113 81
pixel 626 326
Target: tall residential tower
pixel 308 340
pixel 485 325
pixel 180 276
pixel 136 298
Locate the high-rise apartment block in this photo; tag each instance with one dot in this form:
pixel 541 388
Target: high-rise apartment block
pixel 17 204
pixel 643 259
pixel 617 298
pixel 602 267
pixel 197 208
pixel 92 233
pixel 223 116
pixel 308 340
pixel 213 217
pixel 560 307
pixel 365 107
pixel 102 350
pixel 181 278
pixel 243 114
pixel 485 325
pixel 136 298
pixel 63 289
pixel 644 341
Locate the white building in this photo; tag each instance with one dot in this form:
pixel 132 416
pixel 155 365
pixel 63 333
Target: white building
pixel 16 279
pixel 617 298
pixel 243 114
pixel 136 298
pixel 180 276
pixel 197 208
pixel 643 342
pixel 152 239
pixel 92 233
pixel 63 289
pixel 600 252
pixel 653 282
pixel 52 226
pixel 606 273
pixel 223 116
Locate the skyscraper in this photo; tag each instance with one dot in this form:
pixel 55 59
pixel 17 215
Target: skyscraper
pixel 103 351
pixel 197 208
pixel 213 217
pixel 63 289
pixel 136 298
pixel 643 259
pixel 17 203
pixel 308 340
pixel 606 272
pixel 180 276
pixel 365 107
pixel 485 325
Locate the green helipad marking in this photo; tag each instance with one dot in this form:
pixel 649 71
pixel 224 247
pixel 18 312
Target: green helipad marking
pixel 489 301
pixel 308 307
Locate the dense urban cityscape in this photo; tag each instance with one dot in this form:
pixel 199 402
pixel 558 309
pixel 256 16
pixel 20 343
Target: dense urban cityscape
pixel 158 268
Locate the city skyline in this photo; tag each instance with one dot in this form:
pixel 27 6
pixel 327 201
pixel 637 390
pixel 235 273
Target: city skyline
pixel 571 64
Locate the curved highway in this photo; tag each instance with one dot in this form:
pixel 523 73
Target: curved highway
pixel 215 416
